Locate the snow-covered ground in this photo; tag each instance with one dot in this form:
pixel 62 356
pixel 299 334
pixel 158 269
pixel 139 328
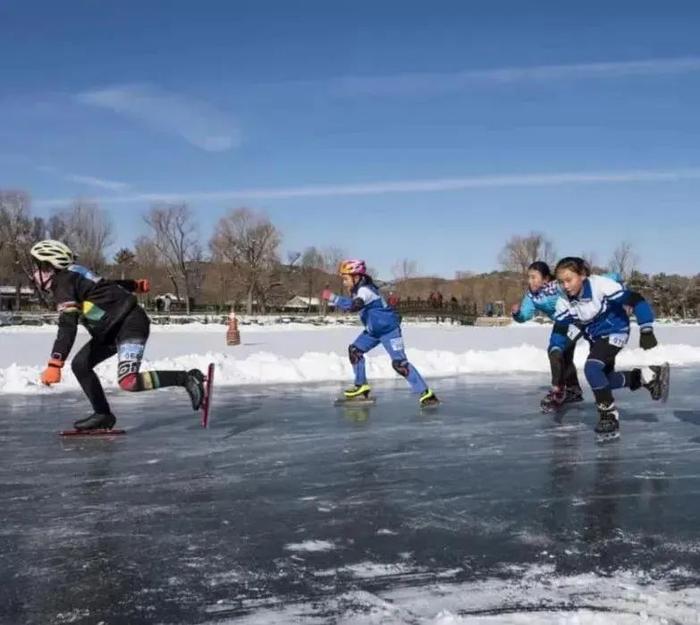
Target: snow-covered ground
pixel 297 353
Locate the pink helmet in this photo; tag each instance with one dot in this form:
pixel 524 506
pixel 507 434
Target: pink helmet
pixel 353 268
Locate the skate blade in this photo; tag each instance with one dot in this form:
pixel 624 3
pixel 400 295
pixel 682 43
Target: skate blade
pixel 205 408
pixel 665 382
pixel 430 407
pixel 96 433
pixel 607 438
pixel 355 401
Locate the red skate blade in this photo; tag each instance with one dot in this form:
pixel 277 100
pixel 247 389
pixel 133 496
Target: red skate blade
pixel 208 390
pixel 97 433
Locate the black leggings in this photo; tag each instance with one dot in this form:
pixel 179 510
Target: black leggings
pixel 129 341
pixel 563 369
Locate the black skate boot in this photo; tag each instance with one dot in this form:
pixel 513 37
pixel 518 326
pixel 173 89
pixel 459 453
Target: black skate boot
pixel 95 421
pixel 608 427
pixel 553 400
pixel 659 378
pixel 574 395
pixel 195 387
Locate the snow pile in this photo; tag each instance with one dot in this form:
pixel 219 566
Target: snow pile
pixel 537 597
pixel 320 355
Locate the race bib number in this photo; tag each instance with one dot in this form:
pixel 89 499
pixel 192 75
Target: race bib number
pixel 618 340
pixel 131 352
pixel 573 333
pixel 397 344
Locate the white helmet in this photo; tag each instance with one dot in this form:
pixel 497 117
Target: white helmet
pixel 55 253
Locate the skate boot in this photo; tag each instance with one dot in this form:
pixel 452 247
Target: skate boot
pixel 428 398
pixel 95 421
pixel 656 379
pixel 553 400
pixel 608 427
pixel 574 395
pixel 359 391
pixel 194 384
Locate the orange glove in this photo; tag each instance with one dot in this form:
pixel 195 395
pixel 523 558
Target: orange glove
pixel 143 285
pixel 52 373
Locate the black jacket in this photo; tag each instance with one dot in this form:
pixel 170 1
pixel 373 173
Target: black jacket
pixel 82 296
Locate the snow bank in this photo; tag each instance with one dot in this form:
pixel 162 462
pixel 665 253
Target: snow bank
pixel 537 597
pixel 302 355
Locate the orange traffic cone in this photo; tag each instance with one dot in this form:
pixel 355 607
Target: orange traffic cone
pixel 233 336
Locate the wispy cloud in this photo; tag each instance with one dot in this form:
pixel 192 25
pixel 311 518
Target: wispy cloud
pixel 421 83
pixel 432 185
pixel 196 121
pixel 90 181
pixel 100 183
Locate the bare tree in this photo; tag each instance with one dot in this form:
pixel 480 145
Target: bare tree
pixel 520 252
pixel 312 263
pixel 293 258
pixel 146 253
pixel 124 259
pixel 332 257
pixel 18 232
pixel 249 241
pixel 624 260
pixel 405 269
pixel 87 230
pixel 176 239
pixel 56 228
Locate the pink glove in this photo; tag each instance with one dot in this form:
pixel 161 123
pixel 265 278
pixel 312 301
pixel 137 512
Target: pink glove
pixel 327 295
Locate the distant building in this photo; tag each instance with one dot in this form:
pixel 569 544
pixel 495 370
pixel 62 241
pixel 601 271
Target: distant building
pixel 299 303
pixel 169 302
pixel 8 297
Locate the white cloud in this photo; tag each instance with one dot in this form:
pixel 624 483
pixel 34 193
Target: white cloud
pixel 195 121
pixel 408 186
pixel 418 83
pixel 91 181
pixel 101 183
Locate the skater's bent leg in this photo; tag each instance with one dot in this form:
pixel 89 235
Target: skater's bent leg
pixel 357 360
pixel 133 380
pixel 84 362
pixel 356 353
pixel 570 374
pixel 393 343
pixel 557 366
pixel 131 340
pixel 600 371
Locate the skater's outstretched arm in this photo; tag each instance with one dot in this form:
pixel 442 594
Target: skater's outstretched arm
pixel 642 310
pixel 525 311
pixel 645 318
pixel 135 286
pixel 346 304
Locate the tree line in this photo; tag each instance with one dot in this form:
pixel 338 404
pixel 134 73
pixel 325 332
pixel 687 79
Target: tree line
pixel 241 263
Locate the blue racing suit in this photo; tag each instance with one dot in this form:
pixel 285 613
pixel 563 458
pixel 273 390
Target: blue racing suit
pixel 382 325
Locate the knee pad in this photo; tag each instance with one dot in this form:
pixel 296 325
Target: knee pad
pixel 401 367
pixel 595 374
pixel 129 382
pixel 355 354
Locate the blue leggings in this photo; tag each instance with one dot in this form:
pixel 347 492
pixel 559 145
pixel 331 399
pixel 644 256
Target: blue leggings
pixel 393 344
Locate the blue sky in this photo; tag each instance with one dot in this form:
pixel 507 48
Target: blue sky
pixel 431 131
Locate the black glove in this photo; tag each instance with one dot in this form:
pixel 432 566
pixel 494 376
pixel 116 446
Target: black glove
pixel 647 340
